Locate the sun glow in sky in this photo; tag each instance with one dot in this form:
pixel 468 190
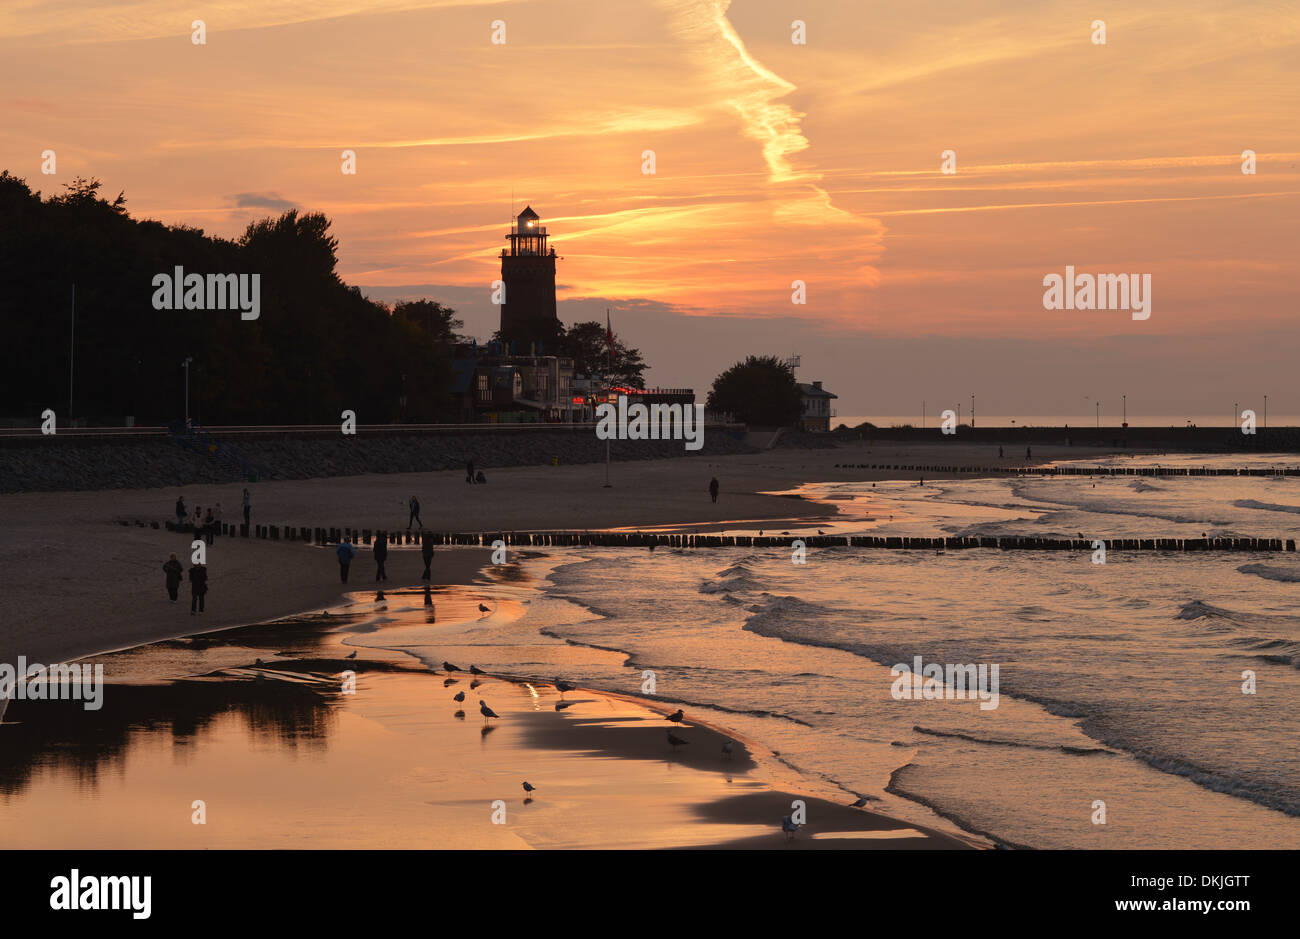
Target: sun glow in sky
pixel 775 161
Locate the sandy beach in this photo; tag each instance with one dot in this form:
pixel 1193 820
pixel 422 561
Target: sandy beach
pixel 75 582
pixel 79 583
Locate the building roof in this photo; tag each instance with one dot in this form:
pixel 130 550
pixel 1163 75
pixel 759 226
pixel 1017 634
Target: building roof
pixel 528 212
pixel 811 391
pixel 462 375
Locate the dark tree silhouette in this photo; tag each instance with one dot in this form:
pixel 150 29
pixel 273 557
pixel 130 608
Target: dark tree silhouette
pixel 760 390
pixel 318 347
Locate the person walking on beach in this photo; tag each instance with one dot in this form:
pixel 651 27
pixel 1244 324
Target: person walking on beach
pixel 381 555
pixel 180 511
pixel 208 525
pixel 216 520
pixel 196 521
pixel 469 471
pixel 173 570
pixel 415 514
pixel 345 554
pixel 426 552
pixel 248 506
pixel 999 451
pixel 1028 455
pixel 198 587
pixel 713 488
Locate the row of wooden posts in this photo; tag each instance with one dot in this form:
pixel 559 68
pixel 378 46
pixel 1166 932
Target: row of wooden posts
pixel 1084 470
pixel 612 539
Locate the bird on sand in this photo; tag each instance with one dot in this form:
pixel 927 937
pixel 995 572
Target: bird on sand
pixel 562 686
pixel 448 667
pixel 789 826
pixel 676 717
pixel 675 740
pixel 486 711
pixel 483 609
pixel 459 697
pixel 475 670
pixel 259 663
pixel 820 532
pixel 379 595
pixel 862 800
pixel 529 787
pixel 474 684
pixel 353 655
pixel 728 748
pixel 447 683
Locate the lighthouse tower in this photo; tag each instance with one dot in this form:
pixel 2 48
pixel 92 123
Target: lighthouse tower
pixel 528 269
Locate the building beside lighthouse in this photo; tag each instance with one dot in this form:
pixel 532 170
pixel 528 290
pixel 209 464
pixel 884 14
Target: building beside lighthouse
pixel 529 322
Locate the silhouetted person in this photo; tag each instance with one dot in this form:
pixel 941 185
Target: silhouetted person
pixel 426 552
pixel 1028 455
pixel 198 587
pixel 248 507
pixel 180 510
pixel 345 554
pixel 196 521
pixel 381 555
pixel 173 570
pixel 216 520
pixel 209 523
pixel 713 488
pixel 999 451
pixel 469 471
pixel 415 513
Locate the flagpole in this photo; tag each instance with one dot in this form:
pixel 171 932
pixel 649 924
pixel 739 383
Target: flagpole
pixel 609 333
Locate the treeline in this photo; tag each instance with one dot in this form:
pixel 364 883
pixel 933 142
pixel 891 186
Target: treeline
pixel 317 348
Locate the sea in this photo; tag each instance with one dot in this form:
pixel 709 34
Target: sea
pixel 1145 700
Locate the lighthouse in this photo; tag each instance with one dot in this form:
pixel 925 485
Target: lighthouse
pixel 528 270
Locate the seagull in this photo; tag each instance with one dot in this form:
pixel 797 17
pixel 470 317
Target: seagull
pixel 483 609
pixel 562 687
pixel 727 749
pixel 474 684
pixel 259 663
pixel 789 826
pixel 677 717
pixel 352 656
pixel 486 711
pixel 862 800
pixel 448 667
pixel 675 740
pixel 475 670
pixel 529 787
pixel 1082 535
pixel 449 682
pixel 459 697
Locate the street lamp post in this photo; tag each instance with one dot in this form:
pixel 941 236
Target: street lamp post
pixel 186 365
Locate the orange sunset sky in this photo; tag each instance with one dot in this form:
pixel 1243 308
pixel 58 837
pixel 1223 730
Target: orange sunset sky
pixel 775 162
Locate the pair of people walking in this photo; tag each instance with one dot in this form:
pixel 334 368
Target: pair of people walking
pixel 172 570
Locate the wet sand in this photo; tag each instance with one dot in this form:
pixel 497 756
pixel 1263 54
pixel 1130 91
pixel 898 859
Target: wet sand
pixel 280 755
